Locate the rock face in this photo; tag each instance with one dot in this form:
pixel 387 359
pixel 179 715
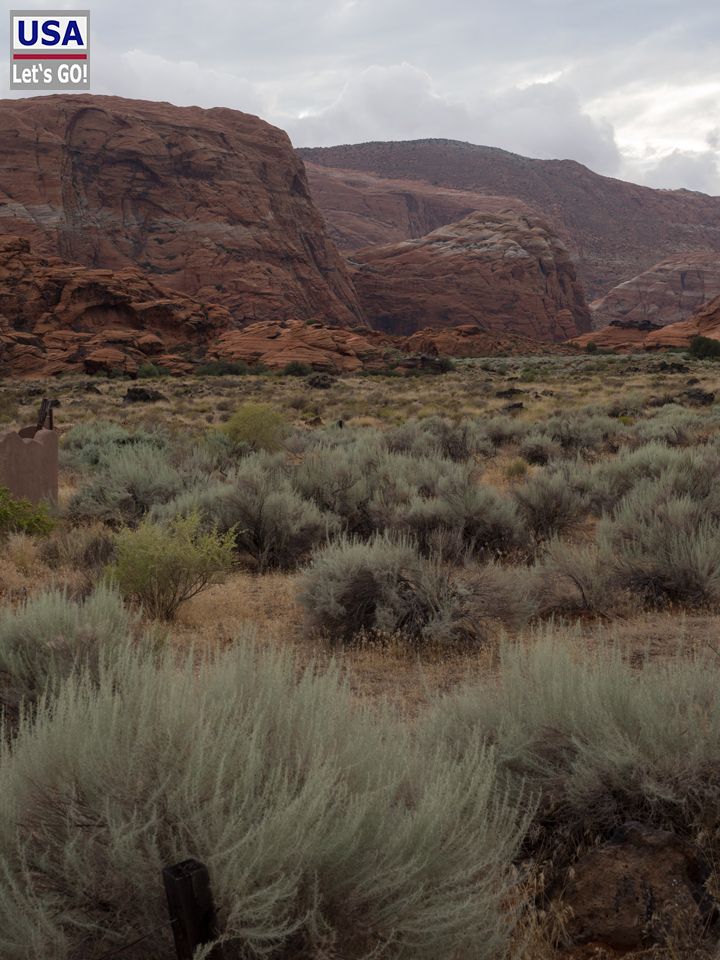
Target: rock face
pixel 614 230
pixel 210 203
pixel 57 317
pixel 470 340
pixel 705 323
pixel 669 292
pixel 629 337
pixel 507 272
pixel 361 209
pixel 633 891
pixel 275 345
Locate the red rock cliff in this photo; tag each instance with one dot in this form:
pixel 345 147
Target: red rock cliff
pixel 508 272
pixel 211 203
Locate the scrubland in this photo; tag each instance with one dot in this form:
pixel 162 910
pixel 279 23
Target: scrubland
pixel 390 655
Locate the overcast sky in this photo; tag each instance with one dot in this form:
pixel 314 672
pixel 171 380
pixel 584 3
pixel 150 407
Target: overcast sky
pixel 629 87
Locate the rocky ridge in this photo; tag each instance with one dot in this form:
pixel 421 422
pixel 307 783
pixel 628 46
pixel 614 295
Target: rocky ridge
pixel 507 272
pixel 668 292
pixel 613 229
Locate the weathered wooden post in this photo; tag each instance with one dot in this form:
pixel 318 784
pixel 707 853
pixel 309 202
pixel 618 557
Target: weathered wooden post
pixel 191 908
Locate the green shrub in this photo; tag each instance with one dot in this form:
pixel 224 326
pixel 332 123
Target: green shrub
pixel 575 580
pixel 468 519
pixel 21 516
pixel 516 469
pixel 86 444
pixel 438 437
pixel 128 482
pixel 584 430
pixel 609 481
pixel 161 566
pixel 49 635
pixel 704 348
pixel 83 547
pixel 539 450
pixel 504 430
pixel 380 589
pixel 151 371
pixel 506 594
pixel 272 524
pixel 326 829
pixel 672 424
pixel 224 368
pixel 257 425
pixel 297 369
pixel 602 742
pixel 342 481
pixel 549 504
pixel 665 549
pixel 591 347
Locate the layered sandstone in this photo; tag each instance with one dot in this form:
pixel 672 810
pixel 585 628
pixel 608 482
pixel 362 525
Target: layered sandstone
pixel 56 317
pixel 705 323
pixel 275 345
pixel 668 292
pixel 627 338
pixel 210 203
pixel 361 209
pixel 614 230
pixel 507 272
pixel 470 340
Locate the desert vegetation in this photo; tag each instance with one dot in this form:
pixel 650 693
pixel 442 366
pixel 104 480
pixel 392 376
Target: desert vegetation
pixel 395 657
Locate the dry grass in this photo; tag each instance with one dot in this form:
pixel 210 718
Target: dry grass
pixel 388 671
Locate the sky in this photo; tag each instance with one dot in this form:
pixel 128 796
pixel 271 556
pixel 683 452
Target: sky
pixel 631 88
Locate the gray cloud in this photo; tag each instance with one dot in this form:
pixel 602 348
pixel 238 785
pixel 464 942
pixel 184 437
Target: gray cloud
pixel 541 120
pixel 694 171
pixel 625 86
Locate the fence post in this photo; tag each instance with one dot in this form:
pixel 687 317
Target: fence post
pixel 190 904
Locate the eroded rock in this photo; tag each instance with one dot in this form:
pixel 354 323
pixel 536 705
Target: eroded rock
pixel 506 272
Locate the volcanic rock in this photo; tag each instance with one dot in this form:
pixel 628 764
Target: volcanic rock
pixel 275 345
pixel 668 292
pixel 614 230
pixel 320 381
pixel 211 203
pixel 630 892
pixel 507 271
pixel 57 317
pixel 143 395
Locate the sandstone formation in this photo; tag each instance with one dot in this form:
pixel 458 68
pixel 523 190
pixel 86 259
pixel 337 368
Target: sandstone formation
pixel 507 272
pixel 614 230
pixel 275 345
pixel 57 317
pixel 210 203
pixel 670 291
pixel 705 323
pixel 629 337
pixel 470 340
pixel 361 209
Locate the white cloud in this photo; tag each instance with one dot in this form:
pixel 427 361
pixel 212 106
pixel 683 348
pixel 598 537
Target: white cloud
pixel 148 76
pixel 625 86
pixel 694 171
pixel 400 102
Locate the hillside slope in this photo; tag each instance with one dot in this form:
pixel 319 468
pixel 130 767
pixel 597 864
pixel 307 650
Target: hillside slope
pixel 614 230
